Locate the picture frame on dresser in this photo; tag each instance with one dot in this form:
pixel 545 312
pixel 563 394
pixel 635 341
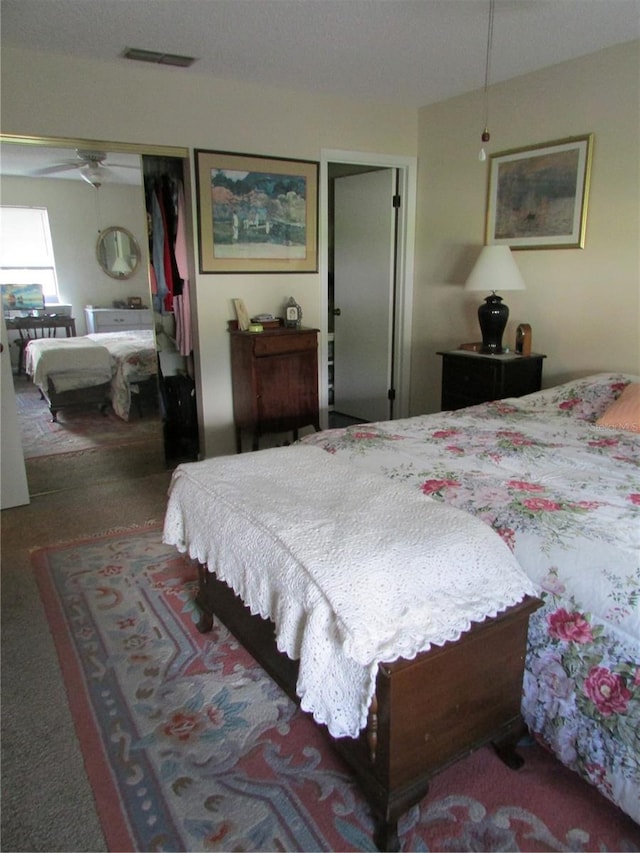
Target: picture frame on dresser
pixel 538 196
pixel 256 214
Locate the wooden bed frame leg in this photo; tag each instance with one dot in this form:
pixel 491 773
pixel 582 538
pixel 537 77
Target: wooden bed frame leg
pixel 386 836
pixel 506 752
pixel 505 747
pixel 205 623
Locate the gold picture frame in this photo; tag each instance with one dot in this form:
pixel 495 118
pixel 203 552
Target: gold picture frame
pixel 256 214
pixel 537 197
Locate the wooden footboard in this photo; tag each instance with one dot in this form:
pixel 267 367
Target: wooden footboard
pixel 426 713
pixel 95 395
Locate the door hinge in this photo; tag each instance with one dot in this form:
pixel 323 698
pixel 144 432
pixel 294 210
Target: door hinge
pixel 391 394
pixel 397 200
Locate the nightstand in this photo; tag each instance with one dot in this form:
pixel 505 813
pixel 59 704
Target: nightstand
pixel 469 378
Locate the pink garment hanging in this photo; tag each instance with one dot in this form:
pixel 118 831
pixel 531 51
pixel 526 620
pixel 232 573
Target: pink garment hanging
pixel 180 247
pixel 153 281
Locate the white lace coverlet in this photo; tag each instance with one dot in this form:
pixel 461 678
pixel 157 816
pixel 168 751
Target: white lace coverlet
pixel 352 568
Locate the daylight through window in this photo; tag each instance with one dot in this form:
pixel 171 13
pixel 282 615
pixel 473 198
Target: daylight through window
pixel 26 250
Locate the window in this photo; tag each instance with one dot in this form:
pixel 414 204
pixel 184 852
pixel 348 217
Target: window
pixel 26 251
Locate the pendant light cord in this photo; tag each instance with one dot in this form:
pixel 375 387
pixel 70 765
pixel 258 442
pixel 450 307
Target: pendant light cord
pixel 487 66
pixel 98 212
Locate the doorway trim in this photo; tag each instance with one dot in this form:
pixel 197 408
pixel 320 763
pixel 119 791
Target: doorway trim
pixel 407 183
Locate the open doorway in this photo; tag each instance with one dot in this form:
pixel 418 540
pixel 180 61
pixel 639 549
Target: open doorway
pixel 100 441
pixel 368 213
pixel 362 285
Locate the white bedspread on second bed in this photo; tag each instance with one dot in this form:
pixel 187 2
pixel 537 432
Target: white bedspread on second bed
pixel 303 539
pixel 77 362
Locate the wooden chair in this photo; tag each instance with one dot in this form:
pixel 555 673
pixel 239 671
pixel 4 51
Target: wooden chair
pixel 32 328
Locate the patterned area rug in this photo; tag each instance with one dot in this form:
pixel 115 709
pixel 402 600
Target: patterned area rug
pixel 77 429
pixel 190 746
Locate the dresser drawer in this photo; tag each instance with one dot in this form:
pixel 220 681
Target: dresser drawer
pixel 278 344
pixel 470 378
pixel 118 319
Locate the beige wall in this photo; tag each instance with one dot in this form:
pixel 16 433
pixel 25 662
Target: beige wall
pixel 583 304
pixel 130 102
pixel 76 213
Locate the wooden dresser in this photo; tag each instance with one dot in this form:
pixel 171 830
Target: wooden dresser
pixel 118 319
pixel 274 377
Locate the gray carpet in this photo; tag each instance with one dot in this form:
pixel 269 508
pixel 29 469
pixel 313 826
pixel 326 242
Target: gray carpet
pixel 47 802
pixel 96 465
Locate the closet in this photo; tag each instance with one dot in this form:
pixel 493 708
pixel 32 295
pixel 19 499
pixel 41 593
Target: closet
pixel 170 289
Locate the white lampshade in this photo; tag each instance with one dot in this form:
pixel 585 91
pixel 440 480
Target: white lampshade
pixel 120 266
pixel 494 270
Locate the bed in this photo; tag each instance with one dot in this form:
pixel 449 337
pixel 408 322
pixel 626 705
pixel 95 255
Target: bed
pixel 555 477
pixel 134 366
pixel 111 367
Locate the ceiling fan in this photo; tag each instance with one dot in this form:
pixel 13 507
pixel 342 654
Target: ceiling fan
pixel 92 167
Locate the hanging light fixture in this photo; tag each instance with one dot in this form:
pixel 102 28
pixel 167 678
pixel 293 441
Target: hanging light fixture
pixel 486 136
pixel 93 173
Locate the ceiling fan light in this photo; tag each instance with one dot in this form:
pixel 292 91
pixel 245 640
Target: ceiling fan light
pixel 93 174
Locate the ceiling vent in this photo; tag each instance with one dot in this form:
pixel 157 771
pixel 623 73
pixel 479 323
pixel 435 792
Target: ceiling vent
pixel 157 58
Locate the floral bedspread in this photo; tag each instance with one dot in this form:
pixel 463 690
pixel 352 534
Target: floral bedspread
pixel 133 359
pixel 565 495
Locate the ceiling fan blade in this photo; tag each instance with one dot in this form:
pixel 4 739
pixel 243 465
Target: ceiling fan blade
pixel 61 167
pixel 108 164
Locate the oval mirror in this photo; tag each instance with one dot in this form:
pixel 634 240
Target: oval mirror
pixel 118 252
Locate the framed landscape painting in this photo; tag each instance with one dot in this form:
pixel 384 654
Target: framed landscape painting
pixel 256 214
pixel 538 196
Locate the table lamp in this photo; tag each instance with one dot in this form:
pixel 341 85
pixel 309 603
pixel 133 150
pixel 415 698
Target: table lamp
pixel 494 270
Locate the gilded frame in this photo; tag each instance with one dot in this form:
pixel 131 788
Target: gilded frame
pixel 537 197
pixel 256 214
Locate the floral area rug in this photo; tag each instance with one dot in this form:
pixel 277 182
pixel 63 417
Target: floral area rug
pixel 190 746
pixel 77 429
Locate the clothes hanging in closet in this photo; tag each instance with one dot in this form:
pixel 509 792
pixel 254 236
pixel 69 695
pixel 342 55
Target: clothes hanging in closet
pixel 181 303
pixel 169 254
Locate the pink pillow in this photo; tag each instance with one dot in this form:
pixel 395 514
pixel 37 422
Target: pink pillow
pixel 624 413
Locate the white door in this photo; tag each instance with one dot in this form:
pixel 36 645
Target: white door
pixel 364 263
pixel 14 490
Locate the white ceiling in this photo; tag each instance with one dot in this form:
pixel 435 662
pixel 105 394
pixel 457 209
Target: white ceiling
pixel 36 161
pixel 414 52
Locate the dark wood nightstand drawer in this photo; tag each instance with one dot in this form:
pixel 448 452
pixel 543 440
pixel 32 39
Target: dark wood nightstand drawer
pixel 472 378
pixel 469 378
